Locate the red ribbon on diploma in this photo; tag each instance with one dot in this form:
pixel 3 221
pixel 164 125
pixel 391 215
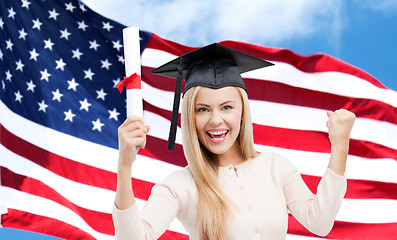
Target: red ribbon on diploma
pixel 131 82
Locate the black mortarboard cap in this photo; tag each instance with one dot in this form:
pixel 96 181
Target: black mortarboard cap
pixel 213 66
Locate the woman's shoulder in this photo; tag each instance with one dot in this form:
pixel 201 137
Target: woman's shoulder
pixel 179 180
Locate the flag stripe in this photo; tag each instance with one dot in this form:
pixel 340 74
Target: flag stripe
pixel 349 230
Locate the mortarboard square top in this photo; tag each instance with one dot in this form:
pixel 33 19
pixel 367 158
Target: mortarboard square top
pixel 214 66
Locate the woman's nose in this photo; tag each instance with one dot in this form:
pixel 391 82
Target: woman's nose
pixel 216 118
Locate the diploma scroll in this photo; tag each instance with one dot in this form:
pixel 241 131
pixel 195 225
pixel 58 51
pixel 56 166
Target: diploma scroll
pixel 132 57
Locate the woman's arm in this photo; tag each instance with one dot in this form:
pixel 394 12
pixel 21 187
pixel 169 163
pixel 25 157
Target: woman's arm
pixel 132 136
pixel 339 126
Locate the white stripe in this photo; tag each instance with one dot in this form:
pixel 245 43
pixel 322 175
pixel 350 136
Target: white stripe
pixel 297 237
pixel 151 170
pixel 311 163
pixel 43 207
pixel 85 196
pixel 288 116
pixel 328 82
pixel 175 225
pixel 368 211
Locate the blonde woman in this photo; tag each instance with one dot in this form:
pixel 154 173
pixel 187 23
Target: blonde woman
pixel 228 190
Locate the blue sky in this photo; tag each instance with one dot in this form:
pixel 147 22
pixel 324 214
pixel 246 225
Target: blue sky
pixel 360 32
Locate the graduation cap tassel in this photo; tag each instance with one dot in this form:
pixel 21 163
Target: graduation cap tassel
pixel 175 108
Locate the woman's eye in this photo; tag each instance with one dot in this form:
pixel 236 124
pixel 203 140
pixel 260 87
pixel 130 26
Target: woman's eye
pixel 202 110
pixel 227 108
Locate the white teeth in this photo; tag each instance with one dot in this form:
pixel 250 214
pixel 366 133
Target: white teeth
pixel 218 133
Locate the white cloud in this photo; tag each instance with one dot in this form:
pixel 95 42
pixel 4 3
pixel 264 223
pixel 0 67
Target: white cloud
pixel 199 22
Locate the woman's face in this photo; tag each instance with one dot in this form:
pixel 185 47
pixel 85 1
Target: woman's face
pixel 218 114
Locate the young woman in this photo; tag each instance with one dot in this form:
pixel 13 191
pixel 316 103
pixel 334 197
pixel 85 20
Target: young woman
pixel 228 190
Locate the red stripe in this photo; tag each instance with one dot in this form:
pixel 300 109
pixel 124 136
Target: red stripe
pixel 349 230
pixel 35 223
pixel 311 64
pixel 77 171
pixel 313 141
pixel 295 96
pixel 99 221
pixel 359 189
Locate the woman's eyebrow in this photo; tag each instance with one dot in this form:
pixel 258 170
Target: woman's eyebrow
pixel 203 104
pixel 227 102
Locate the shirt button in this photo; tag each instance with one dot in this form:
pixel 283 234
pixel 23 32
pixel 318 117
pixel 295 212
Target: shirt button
pixel 230 167
pixel 256 230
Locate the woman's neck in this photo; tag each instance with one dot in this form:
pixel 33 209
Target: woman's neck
pixel 232 156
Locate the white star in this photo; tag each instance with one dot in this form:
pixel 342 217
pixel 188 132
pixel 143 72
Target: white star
pixel 88 74
pixel 117 45
pixel 82 7
pixel 31 86
pixel 82 25
pixel 11 13
pixel 57 95
pixel 97 125
pixel 84 105
pixel 105 64
pixel 1 23
pixel 48 44
pixel 37 24
pixel 18 97
pixel 45 75
pixel 113 114
pixel 60 64
pixel 25 3
pixel 77 54
pixel 101 94
pixel 20 65
pixel 70 7
pixel 1 55
pixel 69 115
pixel 33 54
pixel 72 84
pixel 42 106
pixel 53 14
pixel 107 26
pixel 121 58
pixel 22 34
pixel 115 82
pixel 94 45
pixel 3 84
pixel 8 75
pixel 65 34
pixel 9 44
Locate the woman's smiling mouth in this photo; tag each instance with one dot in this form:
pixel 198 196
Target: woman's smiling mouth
pixel 217 136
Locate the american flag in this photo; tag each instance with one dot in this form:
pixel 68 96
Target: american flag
pixel 59 63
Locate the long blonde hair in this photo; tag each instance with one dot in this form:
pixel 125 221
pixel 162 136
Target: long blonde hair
pixel 213 205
